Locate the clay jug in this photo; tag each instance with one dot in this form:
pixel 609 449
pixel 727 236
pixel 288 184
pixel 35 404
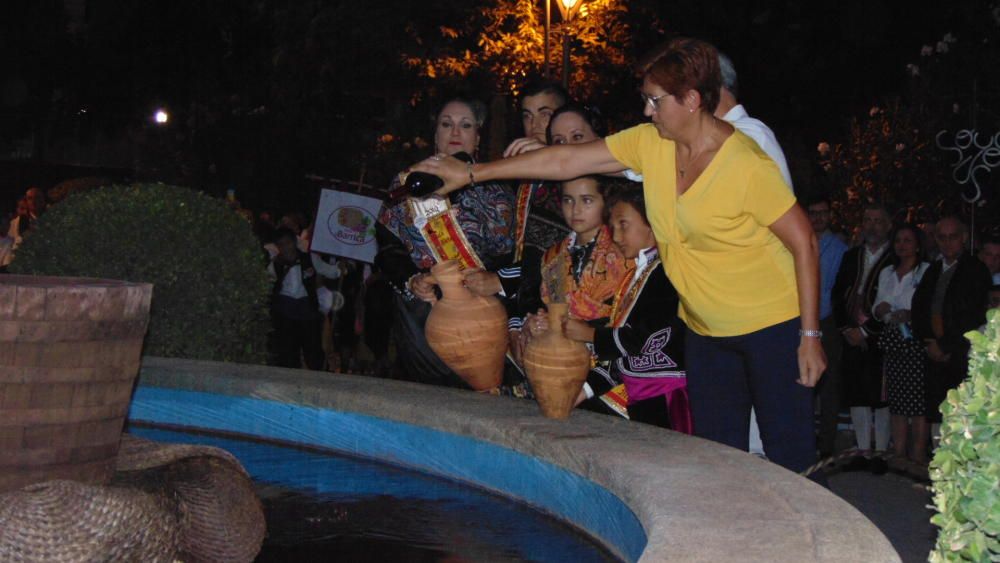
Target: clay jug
pixel 557 367
pixel 468 332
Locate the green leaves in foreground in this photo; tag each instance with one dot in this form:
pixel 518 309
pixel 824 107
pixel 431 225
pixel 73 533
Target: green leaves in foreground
pixel 966 467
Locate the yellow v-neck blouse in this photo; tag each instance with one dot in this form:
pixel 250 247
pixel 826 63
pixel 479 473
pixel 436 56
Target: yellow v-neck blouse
pixel 734 276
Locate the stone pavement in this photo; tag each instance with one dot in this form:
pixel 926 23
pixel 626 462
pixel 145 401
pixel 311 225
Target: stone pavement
pixel 894 503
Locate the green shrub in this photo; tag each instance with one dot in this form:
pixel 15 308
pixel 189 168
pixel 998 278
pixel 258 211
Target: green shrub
pixel 966 467
pixel 210 285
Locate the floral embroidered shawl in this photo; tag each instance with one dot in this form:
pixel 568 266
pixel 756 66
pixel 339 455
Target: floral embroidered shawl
pixel 602 275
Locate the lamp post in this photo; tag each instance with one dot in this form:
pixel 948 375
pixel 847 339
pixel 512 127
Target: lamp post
pixel 568 9
pixel 548 26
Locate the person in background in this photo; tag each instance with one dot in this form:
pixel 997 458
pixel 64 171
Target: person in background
pixel 297 222
pixel 537 223
pixel 731 110
pixel 294 304
pixel 575 124
pixel 379 310
pixel 950 301
pixel 6 244
pixel 644 340
pixel 831 252
pixel 29 208
pixel 345 321
pixel 989 254
pixel 904 355
pixel 852 298
pixel 571 124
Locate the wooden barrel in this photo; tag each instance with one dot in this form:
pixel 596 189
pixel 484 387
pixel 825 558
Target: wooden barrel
pixel 69 355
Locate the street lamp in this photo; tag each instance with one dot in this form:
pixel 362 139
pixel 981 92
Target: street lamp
pixel 548 25
pixel 568 9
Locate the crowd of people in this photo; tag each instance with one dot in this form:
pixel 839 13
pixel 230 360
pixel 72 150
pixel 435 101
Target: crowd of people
pixel 713 301
pixel 779 316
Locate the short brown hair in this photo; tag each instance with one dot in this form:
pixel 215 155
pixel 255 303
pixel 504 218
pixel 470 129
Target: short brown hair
pixel 686 64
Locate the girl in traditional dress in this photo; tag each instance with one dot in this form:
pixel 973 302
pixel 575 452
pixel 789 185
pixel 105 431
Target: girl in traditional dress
pixel 584 270
pixel 644 340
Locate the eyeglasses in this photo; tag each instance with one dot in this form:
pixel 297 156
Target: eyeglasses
pixel 653 101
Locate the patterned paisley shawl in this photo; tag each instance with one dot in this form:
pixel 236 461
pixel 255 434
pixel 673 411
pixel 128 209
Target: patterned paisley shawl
pixel 590 295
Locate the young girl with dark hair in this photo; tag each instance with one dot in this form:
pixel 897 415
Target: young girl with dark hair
pixel 644 339
pixel 583 270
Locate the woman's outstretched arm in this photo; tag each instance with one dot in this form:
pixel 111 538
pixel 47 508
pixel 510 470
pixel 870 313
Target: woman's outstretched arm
pixel 561 162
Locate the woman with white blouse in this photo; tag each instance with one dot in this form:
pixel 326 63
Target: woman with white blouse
pixel 904 355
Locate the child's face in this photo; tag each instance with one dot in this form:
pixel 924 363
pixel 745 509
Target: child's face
pixel 629 229
pixel 582 205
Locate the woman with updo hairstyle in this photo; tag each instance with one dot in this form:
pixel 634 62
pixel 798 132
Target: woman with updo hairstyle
pixel 483 212
pixel 575 123
pixel 740 252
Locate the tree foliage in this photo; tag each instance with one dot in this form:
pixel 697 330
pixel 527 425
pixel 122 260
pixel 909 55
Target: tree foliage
pixel 892 155
pixel 889 157
pixel 506 41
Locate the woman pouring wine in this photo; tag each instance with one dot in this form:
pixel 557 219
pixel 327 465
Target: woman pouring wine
pixel 480 222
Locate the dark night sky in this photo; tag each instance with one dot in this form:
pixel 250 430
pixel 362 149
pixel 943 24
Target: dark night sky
pixel 322 71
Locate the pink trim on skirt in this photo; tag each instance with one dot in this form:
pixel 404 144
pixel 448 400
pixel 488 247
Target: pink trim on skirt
pixel 674 389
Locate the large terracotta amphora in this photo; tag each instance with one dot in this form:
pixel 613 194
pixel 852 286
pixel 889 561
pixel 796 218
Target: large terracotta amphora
pixel 468 332
pixel 557 366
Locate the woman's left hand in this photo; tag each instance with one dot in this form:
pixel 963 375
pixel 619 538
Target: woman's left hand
pixel 523 145
pixel 812 361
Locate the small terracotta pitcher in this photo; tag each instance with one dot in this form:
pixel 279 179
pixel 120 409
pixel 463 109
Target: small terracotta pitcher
pixel 468 332
pixel 556 366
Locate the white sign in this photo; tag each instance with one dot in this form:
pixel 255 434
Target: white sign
pixel 345 225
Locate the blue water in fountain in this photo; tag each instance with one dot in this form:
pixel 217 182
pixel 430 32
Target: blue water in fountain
pixel 322 506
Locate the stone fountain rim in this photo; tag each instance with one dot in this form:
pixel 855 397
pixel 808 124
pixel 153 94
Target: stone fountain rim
pixel 696 500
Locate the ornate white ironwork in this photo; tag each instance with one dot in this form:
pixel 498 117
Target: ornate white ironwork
pixel 973 153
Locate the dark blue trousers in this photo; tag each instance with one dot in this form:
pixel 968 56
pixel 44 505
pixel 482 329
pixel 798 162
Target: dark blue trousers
pixel 726 375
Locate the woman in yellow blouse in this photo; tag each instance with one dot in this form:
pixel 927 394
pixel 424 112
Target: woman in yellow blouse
pixel 740 252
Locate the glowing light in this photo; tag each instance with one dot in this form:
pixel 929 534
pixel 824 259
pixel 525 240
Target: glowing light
pixel 161 116
pixel 569 4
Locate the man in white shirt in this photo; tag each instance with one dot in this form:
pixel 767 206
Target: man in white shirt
pixel 732 111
